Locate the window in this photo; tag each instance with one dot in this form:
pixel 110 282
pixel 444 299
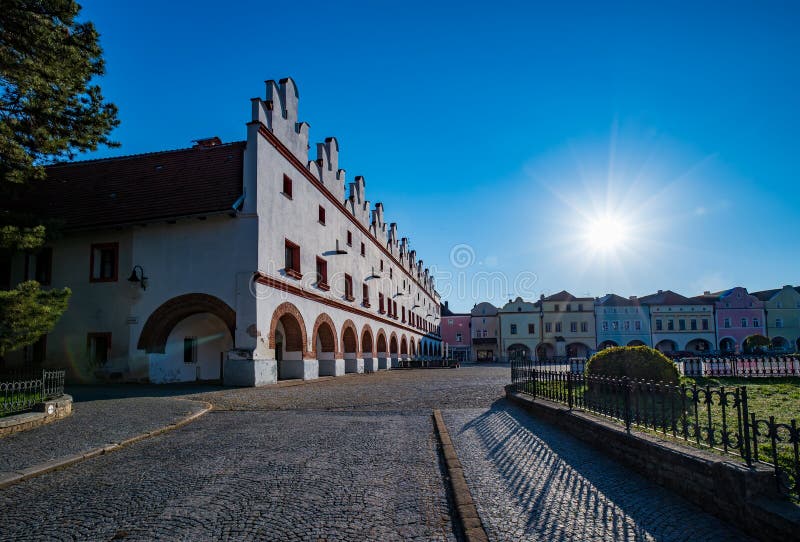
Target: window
pixel 36 353
pixel 637 325
pixel 382 270
pixel 390 271
pixel 778 322
pixel 365 294
pixel 292 260
pixel 322 215
pixel 569 307
pixel 349 238
pixel 615 325
pixel 682 324
pixel 726 323
pixel 659 325
pixel 394 309
pixel 573 327
pixel 38 266
pixel 756 322
pixel 744 322
pixel 557 308
pixel 98 347
pixel 458 337
pixel 671 325
pixel 403 309
pixel 190 349
pixel 584 327
pixel 287 186
pixel 513 329
pixel 626 325
pixel 605 326
pixel 348 288
pixel 364 251
pixel 693 324
pixel 548 327
pixel 104 262
pixel 531 328
pixel 322 274
pixel 580 307
pixel 5 271
pixel 558 327
pixel 705 324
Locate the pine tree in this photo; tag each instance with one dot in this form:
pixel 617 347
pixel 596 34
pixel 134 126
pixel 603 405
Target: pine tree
pixel 50 110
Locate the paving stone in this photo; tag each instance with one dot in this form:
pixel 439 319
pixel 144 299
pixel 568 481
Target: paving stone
pixel 530 481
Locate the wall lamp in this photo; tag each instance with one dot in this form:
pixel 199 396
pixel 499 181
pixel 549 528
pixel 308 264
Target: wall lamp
pixel 138 277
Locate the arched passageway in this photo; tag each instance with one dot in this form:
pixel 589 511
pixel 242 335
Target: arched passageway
pixel 187 338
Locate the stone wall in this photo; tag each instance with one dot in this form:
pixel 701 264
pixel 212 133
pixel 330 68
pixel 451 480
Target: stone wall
pixel 746 497
pixel 47 412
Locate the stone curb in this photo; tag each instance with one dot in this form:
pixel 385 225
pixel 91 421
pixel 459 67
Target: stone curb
pixel 466 512
pixel 8 479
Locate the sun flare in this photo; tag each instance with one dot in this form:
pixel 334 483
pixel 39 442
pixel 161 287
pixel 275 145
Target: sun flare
pixel 607 233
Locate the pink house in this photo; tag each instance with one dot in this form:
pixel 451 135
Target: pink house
pixel 455 333
pixel 738 315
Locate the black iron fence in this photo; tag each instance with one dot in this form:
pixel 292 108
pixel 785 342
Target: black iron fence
pixel 22 390
pixel 715 417
pixel 745 366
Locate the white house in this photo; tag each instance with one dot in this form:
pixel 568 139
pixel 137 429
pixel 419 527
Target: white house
pixel 250 262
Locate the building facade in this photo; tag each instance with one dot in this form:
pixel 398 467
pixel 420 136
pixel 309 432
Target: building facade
pixel 485 326
pixel 567 326
pixel 519 333
pixel 621 322
pixel 259 263
pixel 680 324
pixel 456 336
pixel 737 315
pixel 782 316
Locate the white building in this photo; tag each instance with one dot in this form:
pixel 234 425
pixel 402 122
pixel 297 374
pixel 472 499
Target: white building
pixel 259 263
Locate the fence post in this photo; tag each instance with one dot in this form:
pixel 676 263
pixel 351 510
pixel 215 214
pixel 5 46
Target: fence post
pixel 627 403
pixel 748 457
pixel 569 390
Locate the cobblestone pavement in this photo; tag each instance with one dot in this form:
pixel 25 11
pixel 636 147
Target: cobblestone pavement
pixel 471 386
pixel 353 458
pixel 303 475
pixel 94 422
pixel 531 481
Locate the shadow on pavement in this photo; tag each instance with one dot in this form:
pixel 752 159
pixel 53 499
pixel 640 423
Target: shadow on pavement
pixel 86 393
pixel 569 491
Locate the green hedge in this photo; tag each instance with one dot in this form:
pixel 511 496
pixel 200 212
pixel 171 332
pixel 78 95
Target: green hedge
pixel 636 362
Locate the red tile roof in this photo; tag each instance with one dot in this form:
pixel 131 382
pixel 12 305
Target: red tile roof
pixel 137 188
pixel 668 297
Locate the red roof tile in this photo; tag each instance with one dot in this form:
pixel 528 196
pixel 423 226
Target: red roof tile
pixel 137 188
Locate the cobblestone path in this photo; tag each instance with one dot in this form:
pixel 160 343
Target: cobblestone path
pixel 352 458
pixel 300 475
pixel 93 423
pixel 531 481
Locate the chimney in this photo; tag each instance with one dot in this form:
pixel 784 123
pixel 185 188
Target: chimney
pixel 633 298
pixel 206 142
pixel 661 291
pixel 446 304
pixel 707 292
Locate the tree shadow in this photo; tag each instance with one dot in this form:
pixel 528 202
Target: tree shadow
pixel 82 393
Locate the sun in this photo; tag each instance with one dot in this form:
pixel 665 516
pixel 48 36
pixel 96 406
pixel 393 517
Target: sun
pixel 607 233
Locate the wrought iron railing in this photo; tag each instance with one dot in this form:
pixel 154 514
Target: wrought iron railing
pixel 745 366
pixel 715 417
pixel 22 390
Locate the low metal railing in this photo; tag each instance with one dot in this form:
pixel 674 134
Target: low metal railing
pixel 744 366
pixel 21 390
pixel 715 417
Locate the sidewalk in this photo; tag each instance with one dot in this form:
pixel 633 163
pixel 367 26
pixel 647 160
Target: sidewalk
pixel 102 418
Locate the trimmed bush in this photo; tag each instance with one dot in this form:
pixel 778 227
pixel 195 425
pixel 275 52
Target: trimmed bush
pixel 635 362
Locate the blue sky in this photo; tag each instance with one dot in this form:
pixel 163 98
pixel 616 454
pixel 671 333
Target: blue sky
pixel 503 132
